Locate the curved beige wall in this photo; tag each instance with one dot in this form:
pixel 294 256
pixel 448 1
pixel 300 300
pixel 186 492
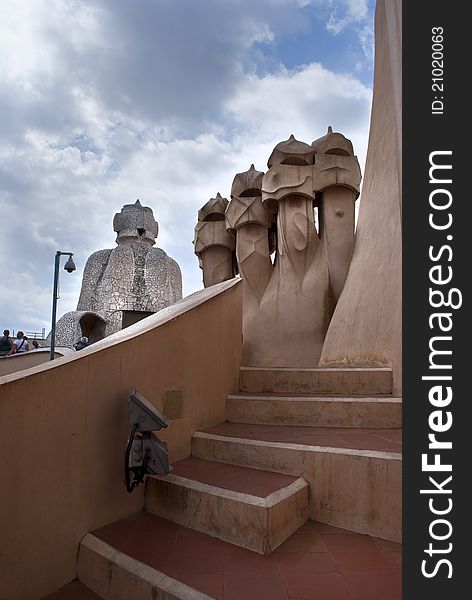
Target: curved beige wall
pixel 26 360
pixel 63 430
pixel 366 327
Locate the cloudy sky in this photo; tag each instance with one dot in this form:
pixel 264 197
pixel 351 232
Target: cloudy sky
pixel 106 101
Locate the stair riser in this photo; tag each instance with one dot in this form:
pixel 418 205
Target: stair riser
pixel 355 490
pixel 116 576
pixel 345 382
pixel 240 519
pixel 318 413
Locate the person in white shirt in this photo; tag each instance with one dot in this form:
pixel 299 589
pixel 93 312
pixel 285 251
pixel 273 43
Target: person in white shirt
pixel 20 344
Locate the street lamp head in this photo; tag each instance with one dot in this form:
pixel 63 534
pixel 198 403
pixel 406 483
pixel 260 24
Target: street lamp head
pixel 69 266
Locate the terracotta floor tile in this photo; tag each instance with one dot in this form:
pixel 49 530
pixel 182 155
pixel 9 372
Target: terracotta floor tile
pixel 141 529
pixel 232 477
pixel 348 541
pixel 318 562
pixel 369 560
pixel 211 585
pixel 304 542
pixel 369 441
pixel 384 440
pixel 157 559
pixel 73 591
pixel 197 543
pixel 387 545
pixel 255 564
pixel 117 534
pixel 331 586
pixel 386 587
pixel 297 563
pixel 152 523
pixel 232 550
pixel 151 549
pixel 396 557
pixel 254 587
pixel 207 564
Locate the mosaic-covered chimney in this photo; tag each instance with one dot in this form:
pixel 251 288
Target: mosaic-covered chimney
pixel 134 279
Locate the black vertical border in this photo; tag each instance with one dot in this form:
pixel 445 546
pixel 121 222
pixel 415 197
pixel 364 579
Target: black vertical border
pixel 423 133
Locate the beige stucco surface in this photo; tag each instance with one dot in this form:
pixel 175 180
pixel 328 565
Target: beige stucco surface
pixel 366 326
pixel 317 411
pixel 26 360
pixel 63 430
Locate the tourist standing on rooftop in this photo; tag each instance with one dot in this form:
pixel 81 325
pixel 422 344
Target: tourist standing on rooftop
pixel 83 343
pixel 20 344
pixel 6 343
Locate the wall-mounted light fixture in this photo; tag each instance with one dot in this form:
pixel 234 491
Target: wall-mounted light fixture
pixel 145 452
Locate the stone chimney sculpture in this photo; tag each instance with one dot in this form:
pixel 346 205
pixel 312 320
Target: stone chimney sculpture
pixel 213 245
pixel 124 284
pixel 293 270
pixel 134 276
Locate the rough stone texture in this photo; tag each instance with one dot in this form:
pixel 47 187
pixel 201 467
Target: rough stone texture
pixel 132 277
pixel 75 324
pixel 366 326
pixel 288 300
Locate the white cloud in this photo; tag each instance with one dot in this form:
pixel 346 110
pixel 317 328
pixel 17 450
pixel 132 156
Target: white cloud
pixel 366 38
pixel 306 100
pixel 102 104
pixel 345 13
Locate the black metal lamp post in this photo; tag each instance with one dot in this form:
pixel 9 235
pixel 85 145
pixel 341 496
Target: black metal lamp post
pixel 69 267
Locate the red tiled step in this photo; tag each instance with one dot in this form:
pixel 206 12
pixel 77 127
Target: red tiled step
pixel 355 474
pixel 382 440
pixel 317 562
pixel 231 477
pixel 255 509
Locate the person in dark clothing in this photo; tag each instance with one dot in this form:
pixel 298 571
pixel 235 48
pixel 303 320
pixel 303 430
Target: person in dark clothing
pixel 6 343
pixel 83 343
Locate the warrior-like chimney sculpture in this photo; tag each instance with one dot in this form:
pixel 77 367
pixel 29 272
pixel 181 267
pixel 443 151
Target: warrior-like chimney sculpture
pixel 294 233
pixel 124 284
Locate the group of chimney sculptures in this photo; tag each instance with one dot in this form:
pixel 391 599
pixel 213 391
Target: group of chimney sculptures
pixel 289 233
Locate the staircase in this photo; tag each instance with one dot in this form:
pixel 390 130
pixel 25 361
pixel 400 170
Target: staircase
pixel 299 444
